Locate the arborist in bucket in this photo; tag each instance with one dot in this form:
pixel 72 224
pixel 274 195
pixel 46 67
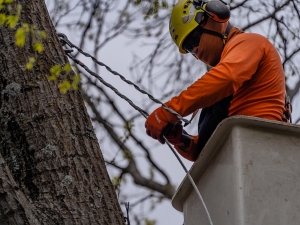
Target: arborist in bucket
pixel 246 77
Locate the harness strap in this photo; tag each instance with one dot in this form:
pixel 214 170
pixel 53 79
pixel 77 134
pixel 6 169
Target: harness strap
pixel 287 113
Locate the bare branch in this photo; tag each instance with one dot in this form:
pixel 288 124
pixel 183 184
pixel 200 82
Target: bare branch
pixel 137 141
pixel 297 121
pixel 167 190
pixel 294 91
pixel 271 15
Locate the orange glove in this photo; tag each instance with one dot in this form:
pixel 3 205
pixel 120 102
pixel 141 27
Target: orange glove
pixel 190 152
pixel 185 144
pixel 173 133
pixel 157 122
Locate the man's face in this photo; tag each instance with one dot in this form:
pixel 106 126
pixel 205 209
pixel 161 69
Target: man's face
pixel 210 47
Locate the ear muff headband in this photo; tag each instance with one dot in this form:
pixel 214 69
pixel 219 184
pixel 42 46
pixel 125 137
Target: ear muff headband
pixel 218 11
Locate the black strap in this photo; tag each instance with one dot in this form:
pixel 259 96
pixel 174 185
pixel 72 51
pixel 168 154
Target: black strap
pixel 224 37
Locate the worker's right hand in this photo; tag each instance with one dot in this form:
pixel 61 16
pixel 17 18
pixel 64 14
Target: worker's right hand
pixel 189 149
pixel 175 135
pixel 185 144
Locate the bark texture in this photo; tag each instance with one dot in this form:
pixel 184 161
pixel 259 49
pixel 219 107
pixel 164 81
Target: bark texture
pixel 51 167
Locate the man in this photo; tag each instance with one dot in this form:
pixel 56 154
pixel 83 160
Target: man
pixel 246 77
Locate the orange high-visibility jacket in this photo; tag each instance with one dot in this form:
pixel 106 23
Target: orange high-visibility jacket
pixel 250 68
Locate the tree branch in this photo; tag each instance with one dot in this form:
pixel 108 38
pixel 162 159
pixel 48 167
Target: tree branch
pixel 297 121
pixel 271 15
pixel 294 91
pixel 137 141
pixel 167 190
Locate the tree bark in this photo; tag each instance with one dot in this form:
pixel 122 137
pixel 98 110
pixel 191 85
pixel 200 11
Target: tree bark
pixel 51 167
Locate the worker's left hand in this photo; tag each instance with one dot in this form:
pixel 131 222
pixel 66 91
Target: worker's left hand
pixel 173 133
pixel 156 123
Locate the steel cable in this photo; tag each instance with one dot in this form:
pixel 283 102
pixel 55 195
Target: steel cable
pixel 64 40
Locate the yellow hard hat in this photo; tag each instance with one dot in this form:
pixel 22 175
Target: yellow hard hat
pixel 188 14
pixel 184 19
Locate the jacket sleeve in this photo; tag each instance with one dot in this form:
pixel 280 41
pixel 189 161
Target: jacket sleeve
pixel 239 61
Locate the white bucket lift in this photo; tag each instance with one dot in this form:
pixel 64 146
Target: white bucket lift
pixel 248 174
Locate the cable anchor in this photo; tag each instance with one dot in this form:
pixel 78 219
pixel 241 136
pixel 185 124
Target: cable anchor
pixel 65 41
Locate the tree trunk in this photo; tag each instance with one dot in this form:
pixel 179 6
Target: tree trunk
pixel 51 167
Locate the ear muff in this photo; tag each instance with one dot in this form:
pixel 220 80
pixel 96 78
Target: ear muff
pixel 218 11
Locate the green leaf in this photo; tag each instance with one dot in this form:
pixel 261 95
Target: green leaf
pixel 20 37
pixel 26 27
pixel 12 21
pixel 2 18
pixel 129 125
pixel 38 46
pixel 19 7
pixel 8 1
pixel 164 5
pixel 42 34
pixel 52 78
pixel 55 70
pixel 150 222
pixel 29 66
pixel 64 86
pixel 32 60
pixel 116 182
pixel 127 154
pixel 137 2
pixel 67 67
pixel 76 81
pixel 30 63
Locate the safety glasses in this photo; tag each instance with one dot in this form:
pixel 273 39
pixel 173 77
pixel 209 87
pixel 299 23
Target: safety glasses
pixel 192 40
